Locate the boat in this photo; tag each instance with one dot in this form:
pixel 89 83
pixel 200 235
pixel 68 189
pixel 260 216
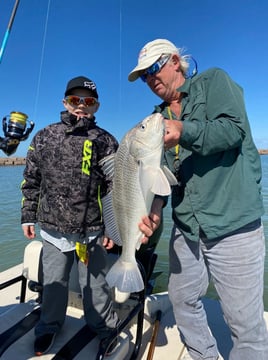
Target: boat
pixel 147 329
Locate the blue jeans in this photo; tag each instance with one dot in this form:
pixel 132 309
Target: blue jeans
pixel 235 264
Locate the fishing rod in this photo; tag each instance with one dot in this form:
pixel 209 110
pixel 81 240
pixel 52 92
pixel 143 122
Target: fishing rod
pixel 14 125
pixel 9 27
pixel 154 335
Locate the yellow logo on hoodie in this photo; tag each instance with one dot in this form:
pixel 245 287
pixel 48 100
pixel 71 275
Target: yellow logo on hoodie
pixel 87 155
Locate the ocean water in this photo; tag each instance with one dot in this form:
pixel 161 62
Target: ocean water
pixel 12 241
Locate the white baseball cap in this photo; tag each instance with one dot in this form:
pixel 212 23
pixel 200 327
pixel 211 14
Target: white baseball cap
pixel 149 54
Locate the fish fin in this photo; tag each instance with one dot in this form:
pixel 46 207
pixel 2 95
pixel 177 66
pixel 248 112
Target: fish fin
pixel 170 176
pixel 107 165
pixel 154 180
pixel 111 229
pixel 161 185
pixel 138 245
pixel 125 276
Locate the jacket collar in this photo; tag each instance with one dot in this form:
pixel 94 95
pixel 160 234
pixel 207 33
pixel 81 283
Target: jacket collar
pixel 72 124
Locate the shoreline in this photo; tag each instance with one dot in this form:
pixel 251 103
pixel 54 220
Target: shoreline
pixel 263 151
pixel 14 161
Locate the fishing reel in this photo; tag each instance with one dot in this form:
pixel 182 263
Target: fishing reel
pixel 15 131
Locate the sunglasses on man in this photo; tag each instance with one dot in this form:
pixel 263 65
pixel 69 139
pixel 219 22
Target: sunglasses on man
pixel 155 68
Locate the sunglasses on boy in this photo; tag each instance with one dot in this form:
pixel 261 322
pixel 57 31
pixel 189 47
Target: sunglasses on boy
pixel 155 68
pixel 77 100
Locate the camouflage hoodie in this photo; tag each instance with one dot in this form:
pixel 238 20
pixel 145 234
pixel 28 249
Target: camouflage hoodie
pixel 63 183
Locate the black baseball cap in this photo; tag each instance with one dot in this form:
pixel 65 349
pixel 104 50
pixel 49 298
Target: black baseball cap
pixel 83 83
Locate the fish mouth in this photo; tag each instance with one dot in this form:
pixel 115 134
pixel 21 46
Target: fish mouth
pixel 161 124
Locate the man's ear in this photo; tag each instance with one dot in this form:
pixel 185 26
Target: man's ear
pixel 175 60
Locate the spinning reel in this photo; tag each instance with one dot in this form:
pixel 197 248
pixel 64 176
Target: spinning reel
pixel 15 131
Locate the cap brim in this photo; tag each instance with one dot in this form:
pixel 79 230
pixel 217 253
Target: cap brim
pixel 137 71
pixel 134 75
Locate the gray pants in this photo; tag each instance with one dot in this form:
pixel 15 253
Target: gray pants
pixel 236 265
pixel 96 294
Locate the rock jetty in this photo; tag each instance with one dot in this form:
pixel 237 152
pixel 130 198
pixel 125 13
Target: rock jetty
pixel 8 161
pixel 263 151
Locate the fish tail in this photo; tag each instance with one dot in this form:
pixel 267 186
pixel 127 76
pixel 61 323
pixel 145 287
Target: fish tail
pixel 125 276
pixel 120 296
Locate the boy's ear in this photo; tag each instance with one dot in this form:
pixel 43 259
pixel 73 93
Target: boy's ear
pixel 64 103
pixel 97 106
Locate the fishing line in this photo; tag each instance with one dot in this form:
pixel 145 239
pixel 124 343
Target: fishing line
pixel 41 61
pixel 120 58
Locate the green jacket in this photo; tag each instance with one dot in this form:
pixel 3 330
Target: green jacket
pixel 217 164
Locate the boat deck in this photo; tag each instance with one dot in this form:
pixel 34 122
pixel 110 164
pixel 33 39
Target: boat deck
pixel 167 345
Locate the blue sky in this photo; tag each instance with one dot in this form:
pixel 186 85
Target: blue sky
pixel 101 39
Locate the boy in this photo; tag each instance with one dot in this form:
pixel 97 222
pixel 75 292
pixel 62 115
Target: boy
pixel 62 188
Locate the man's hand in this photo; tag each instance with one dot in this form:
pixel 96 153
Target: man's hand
pixel 150 223
pixel 173 131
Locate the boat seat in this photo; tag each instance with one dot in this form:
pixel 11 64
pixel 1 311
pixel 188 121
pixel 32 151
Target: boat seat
pixel 18 318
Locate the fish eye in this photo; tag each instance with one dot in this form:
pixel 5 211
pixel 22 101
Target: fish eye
pixel 142 127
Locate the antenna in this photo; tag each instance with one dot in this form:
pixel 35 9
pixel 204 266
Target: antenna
pixel 8 30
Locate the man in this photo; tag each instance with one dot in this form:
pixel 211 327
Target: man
pixel 217 206
pixel 62 188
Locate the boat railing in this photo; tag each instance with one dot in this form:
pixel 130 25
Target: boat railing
pixel 21 278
